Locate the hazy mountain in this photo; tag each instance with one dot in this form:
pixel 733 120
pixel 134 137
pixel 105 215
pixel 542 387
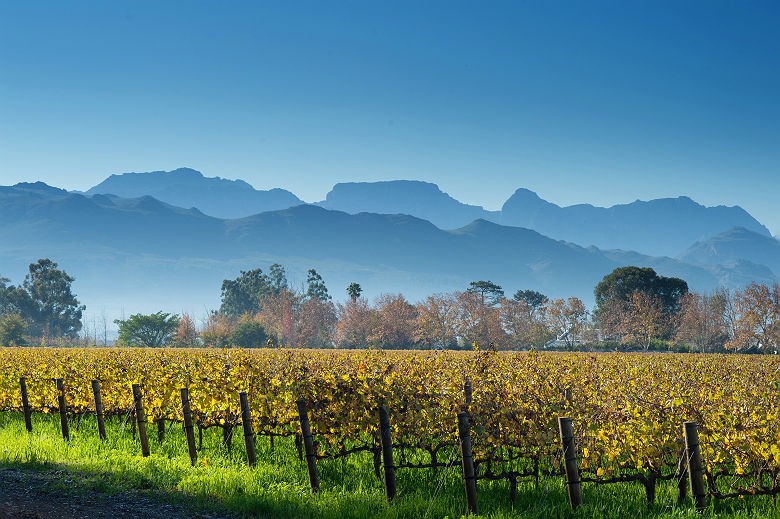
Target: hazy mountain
pixel 660 227
pixel 734 245
pixel 421 199
pixel 186 187
pixel 140 254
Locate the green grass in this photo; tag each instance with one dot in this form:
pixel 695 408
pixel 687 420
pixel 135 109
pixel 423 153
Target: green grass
pixel 278 485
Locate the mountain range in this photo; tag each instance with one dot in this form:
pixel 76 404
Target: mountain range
pixel 665 226
pixel 140 253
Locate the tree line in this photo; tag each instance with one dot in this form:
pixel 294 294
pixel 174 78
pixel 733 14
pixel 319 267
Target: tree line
pixel 635 309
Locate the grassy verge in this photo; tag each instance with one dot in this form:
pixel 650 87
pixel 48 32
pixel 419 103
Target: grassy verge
pixel 278 486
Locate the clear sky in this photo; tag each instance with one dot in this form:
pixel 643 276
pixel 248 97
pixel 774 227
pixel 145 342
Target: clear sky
pixel 600 102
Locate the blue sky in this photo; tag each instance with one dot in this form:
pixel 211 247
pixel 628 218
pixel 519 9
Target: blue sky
pixel 600 102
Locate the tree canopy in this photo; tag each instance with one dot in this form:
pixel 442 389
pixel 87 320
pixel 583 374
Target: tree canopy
pixel 243 294
pixel 619 285
pixel 150 331
pixel 354 291
pixel 12 330
pixel 489 292
pixel 45 300
pixel 248 334
pixel 535 300
pixel 277 278
pixel 316 288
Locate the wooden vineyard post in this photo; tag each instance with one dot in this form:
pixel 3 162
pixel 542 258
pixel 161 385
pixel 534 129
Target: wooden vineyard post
pixel 469 479
pixel 25 404
pixel 140 418
pixel 308 446
pixel 387 452
pixel 246 424
pixel 63 411
pixel 467 392
pixel 99 409
pixel 695 471
pixel 187 423
pixel 570 461
pixel 160 429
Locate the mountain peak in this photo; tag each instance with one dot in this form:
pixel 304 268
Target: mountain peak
pixel 40 187
pixel 187 187
pixel 413 197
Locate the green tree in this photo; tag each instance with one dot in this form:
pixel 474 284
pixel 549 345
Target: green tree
pixel 488 291
pixel 244 294
pixel 354 291
pixel 277 278
pixel 316 288
pixel 150 331
pixel 248 333
pixel 618 286
pixel 12 329
pixel 45 299
pixel 535 300
pixel 5 304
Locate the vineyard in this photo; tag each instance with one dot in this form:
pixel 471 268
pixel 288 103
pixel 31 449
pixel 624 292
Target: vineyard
pixel 627 411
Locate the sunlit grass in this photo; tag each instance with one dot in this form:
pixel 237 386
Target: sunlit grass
pixel 278 485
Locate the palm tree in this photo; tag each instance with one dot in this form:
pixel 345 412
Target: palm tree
pixel 353 291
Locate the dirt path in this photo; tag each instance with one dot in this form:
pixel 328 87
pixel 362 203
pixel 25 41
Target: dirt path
pixel 31 494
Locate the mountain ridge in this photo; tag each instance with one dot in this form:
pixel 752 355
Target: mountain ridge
pixel 186 187
pixel 663 226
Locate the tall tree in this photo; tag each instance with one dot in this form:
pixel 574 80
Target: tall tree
pixel 755 318
pixel 46 299
pixel 354 291
pixel 437 321
pixel 701 321
pixel 395 321
pixel 316 321
pixel 278 315
pixel 5 303
pixel 149 331
pixel 488 291
pixel 315 287
pixel 516 319
pixel 357 321
pixel 534 300
pixel 480 323
pixel 277 278
pixel 243 294
pixel 636 321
